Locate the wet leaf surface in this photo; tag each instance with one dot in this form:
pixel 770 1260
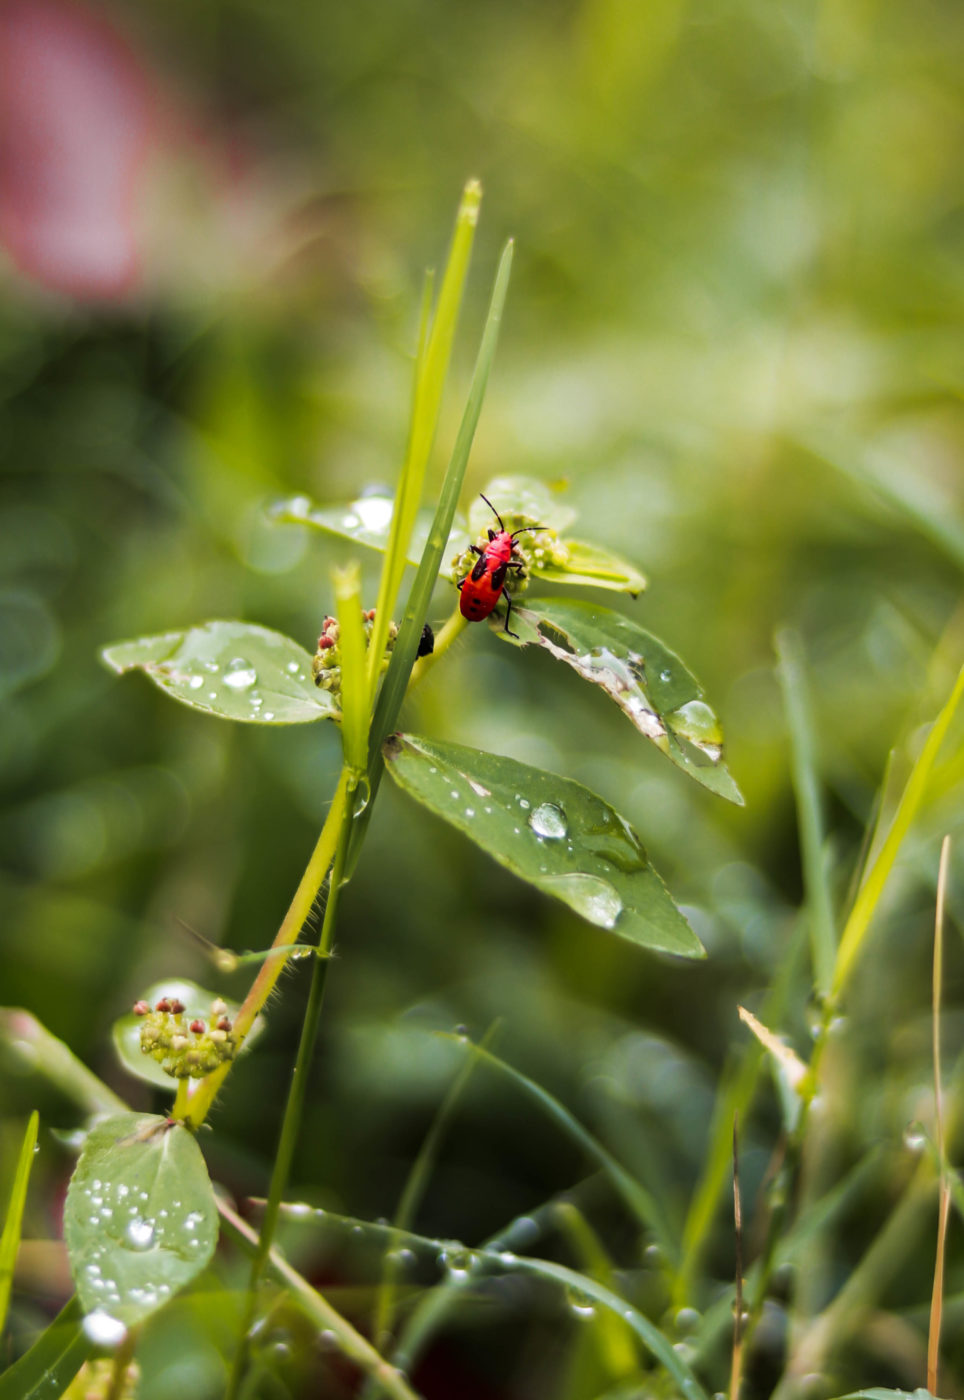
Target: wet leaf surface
pixel 365 521
pixel 140 1220
pixel 548 830
pixel 648 682
pixel 235 670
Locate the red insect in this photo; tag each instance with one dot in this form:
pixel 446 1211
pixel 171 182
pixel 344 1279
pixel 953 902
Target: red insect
pixel 485 585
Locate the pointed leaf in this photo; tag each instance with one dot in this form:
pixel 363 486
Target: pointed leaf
pixel 589 566
pixel 140 1220
pixel 648 682
pixel 126 1030
pixel 520 499
pixel 548 830
pixel 235 670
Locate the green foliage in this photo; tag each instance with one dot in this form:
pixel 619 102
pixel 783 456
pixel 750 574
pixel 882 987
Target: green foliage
pixel 732 358
pixel 548 830
pixel 234 670
pixel 10 1236
pixel 648 682
pixel 140 1220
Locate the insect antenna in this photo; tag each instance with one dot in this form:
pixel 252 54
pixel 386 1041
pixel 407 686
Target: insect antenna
pixel 494 512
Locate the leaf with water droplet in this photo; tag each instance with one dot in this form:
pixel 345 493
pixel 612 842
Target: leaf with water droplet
pixel 550 831
pixel 140 1219
pixel 520 498
pixel 648 682
pixel 126 1030
pixel 366 520
pixel 235 670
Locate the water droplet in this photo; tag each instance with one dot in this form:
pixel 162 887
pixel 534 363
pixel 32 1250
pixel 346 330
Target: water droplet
pixel 240 674
pixel 524 804
pixel 104 1330
pixel 195 682
pixel 697 723
pixel 470 811
pixel 375 512
pixel 582 1307
pixel 350 521
pixel 665 675
pixel 522 1232
pixel 328 1340
pixel 593 898
pixel 292 668
pixel 212 695
pixel 268 714
pixel 140 1234
pixel 686 1321
pixel 458 1263
pixel 210 666
pixel 915 1136
pixel 361 796
pixel 454 794
pixel 549 821
pixel 508 1258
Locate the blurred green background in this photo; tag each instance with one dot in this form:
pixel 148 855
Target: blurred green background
pixel 733 328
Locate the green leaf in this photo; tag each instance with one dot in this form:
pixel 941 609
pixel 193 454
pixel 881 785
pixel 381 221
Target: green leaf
pixel 45 1371
pixel 648 682
pixel 126 1030
pixel 10 1239
pixel 520 499
pixel 589 566
pixel 548 830
pixel 140 1220
pixel 364 521
pixel 235 670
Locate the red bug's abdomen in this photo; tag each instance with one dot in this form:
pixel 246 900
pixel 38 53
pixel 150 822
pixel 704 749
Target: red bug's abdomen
pixel 477 602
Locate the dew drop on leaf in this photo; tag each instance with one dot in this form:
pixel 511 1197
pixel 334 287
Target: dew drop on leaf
pixel 240 674
pixel 104 1330
pixel 549 820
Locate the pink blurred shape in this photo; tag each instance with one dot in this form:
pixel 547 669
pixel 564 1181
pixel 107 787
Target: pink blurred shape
pixel 76 126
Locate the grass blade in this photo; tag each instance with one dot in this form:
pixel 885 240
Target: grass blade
pixel 872 886
pixel 10 1239
pixel 431 372
pixel 791 674
pixel 937 1292
pixel 46 1370
pixel 637 1200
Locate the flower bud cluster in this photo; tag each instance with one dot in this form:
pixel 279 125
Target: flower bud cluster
pixel 326 665
pixel 186 1049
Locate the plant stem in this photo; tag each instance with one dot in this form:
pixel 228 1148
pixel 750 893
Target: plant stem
pixel 291 926
pixel 291 1123
pixel 455 625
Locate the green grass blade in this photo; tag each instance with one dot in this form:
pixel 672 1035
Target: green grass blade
pixel 637 1200
pixel 496 1256
pixel 411 1198
pixel 431 372
pixel 792 676
pixel 406 648
pixel 46 1370
pixel 871 888
pixel 396 681
pixel 734 1098
pixel 10 1239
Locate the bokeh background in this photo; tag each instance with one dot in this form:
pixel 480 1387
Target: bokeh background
pixel 733 328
